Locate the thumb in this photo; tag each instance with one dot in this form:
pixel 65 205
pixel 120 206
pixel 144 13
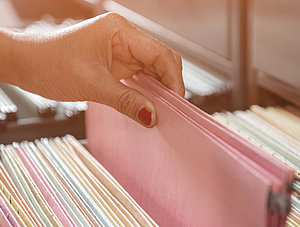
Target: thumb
pixel 130 102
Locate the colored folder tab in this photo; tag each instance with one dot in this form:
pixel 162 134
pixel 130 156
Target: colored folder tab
pixel 189 170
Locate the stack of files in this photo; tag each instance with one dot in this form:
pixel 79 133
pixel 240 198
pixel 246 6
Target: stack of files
pixel 202 83
pixel 275 130
pixel 8 108
pixel 207 90
pixel 45 107
pixel 47 24
pixel 57 182
pixel 189 170
pixel 49 108
pixel 73 109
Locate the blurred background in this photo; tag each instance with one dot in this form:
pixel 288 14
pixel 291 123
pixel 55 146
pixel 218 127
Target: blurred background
pixel 236 53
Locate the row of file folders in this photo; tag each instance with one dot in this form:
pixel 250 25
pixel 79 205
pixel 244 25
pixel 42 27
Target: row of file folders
pixel 192 169
pixel 195 169
pixel 45 108
pixel 56 182
pixel 275 130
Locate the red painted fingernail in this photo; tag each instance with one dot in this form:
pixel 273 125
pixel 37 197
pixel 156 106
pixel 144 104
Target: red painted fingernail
pixel 145 116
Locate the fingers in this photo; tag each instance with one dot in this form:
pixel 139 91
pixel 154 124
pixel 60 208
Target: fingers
pixel 126 100
pixel 133 104
pixel 157 58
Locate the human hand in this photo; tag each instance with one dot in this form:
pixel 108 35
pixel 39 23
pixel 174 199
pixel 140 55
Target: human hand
pixel 87 60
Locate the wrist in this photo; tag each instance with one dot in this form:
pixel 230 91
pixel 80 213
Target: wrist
pixel 13 57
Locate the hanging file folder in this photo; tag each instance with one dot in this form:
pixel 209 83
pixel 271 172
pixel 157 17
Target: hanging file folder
pixel 189 170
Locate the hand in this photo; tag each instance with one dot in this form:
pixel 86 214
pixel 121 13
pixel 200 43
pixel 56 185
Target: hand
pixel 87 60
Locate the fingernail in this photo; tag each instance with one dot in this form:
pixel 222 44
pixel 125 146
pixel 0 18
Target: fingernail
pixel 145 116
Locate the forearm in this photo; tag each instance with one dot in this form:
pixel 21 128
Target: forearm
pixel 7 52
pixel 16 53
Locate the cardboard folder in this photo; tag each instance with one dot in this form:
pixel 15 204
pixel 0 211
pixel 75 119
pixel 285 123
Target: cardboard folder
pixel 188 170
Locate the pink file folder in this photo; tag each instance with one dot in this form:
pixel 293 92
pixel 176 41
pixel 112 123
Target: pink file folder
pixel 188 170
pixel 44 187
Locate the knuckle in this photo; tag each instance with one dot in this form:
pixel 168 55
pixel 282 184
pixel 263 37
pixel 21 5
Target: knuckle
pixel 126 102
pixel 115 17
pixel 170 53
pixel 165 48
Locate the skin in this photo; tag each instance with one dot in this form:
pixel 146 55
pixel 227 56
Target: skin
pixel 86 62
